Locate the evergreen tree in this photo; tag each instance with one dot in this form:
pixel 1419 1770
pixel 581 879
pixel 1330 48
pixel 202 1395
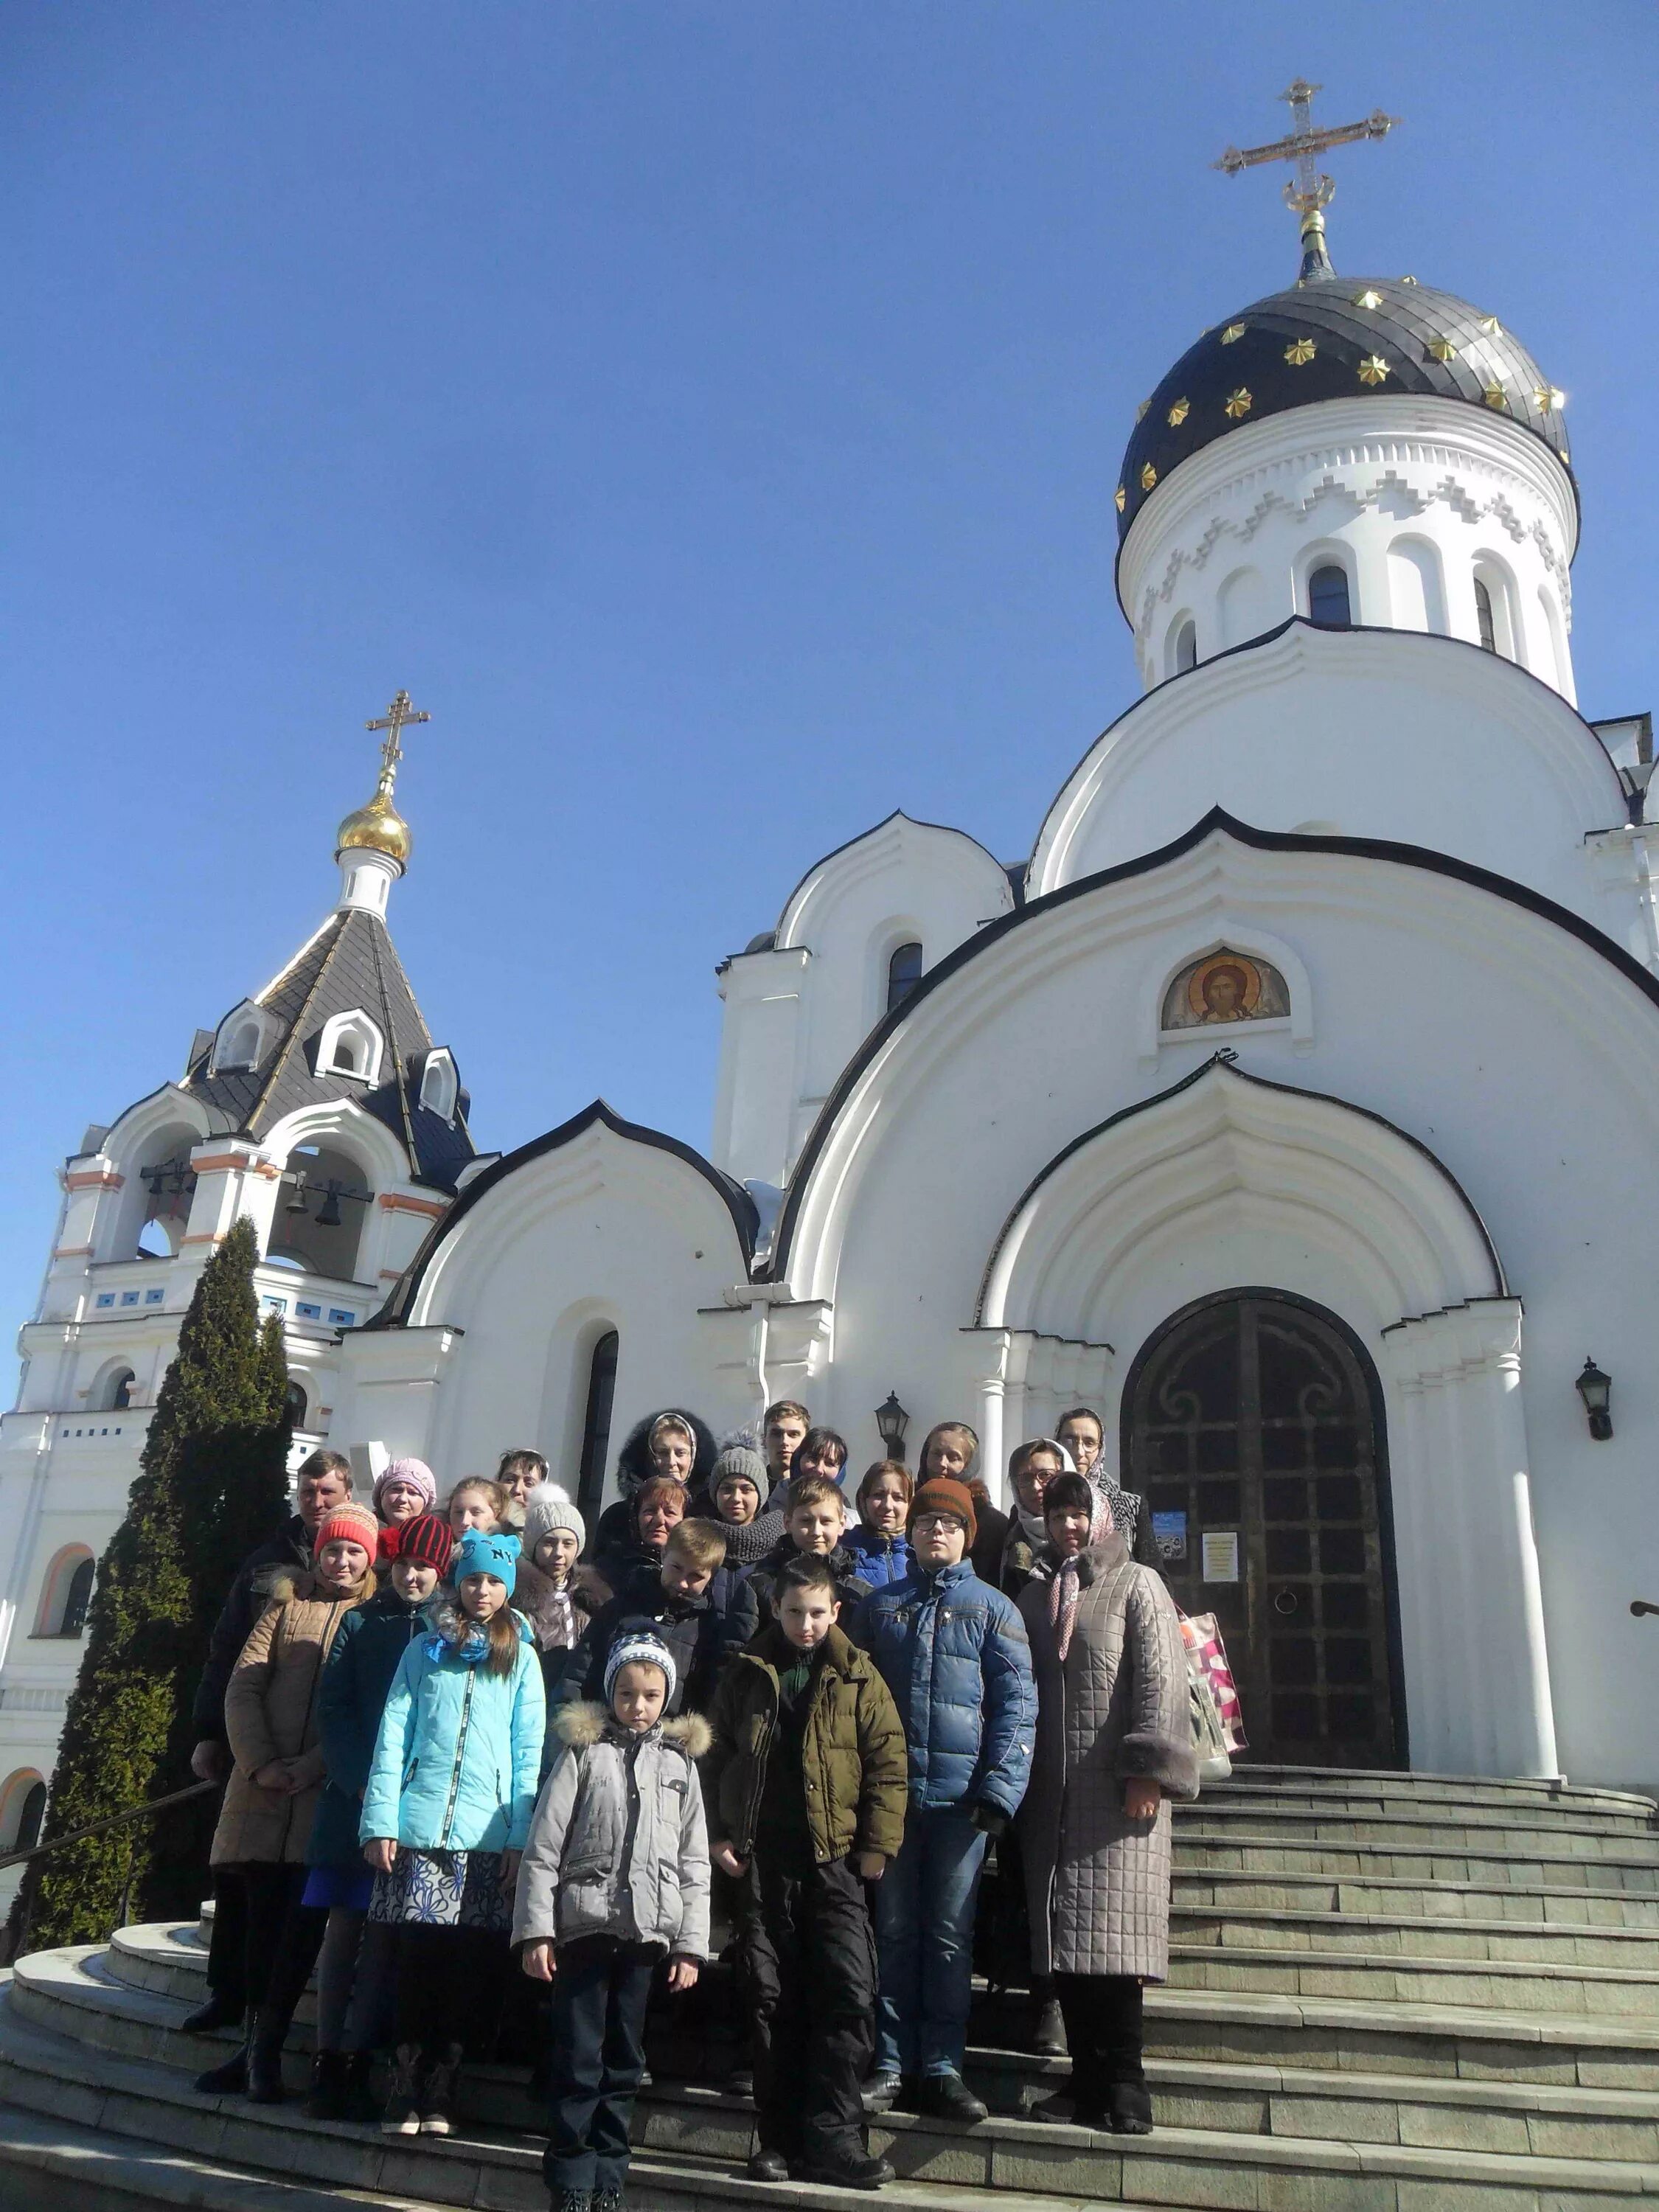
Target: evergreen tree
pixel 212 1485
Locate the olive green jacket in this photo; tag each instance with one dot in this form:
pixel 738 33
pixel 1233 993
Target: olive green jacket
pixel 853 1754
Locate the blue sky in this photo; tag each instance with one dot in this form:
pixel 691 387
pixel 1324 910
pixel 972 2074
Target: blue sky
pixel 709 409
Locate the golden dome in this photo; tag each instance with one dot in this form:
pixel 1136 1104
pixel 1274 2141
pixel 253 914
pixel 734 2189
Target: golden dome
pixel 377 828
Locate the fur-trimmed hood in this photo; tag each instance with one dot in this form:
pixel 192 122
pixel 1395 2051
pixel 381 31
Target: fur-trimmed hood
pixel 633 1460
pixel 578 1725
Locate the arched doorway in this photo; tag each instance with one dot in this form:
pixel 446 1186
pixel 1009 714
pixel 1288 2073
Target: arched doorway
pixel 1252 1424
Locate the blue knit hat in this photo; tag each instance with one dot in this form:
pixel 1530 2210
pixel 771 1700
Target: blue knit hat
pixel 478 1554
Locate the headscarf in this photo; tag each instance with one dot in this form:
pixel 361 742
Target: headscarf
pixel 1066 1587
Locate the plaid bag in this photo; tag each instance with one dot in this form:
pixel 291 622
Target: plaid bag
pixel 1207 1662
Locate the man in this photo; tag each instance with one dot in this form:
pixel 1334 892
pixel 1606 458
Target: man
pixel 954 1653
pixel 323 1482
pixel 784 1429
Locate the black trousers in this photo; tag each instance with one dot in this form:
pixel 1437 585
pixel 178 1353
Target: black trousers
pixel 809 1968
pixel 270 1940
pixel 600 1990
pixel 1103 2023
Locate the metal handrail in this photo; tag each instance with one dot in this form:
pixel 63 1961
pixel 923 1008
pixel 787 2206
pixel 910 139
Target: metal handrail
pixel 109 1820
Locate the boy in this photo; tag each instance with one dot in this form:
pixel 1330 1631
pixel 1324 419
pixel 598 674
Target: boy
pixel 691 1603
pixel 615 1874
pixel 806 1784
pixel 814 1520
pixel 954 1653
pixel 783 1428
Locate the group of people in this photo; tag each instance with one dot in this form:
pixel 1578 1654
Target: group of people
pixel 759 1713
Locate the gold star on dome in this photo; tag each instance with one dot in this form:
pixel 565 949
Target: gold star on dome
pixel 1368 298
pixel 1120 499
pixel 1178 414
pixel 1300 352
pixel 1141 411
pixel 1548 398
pixel 1443 349
pixel 1148 476
pixel 1373 368
pixel 1496 398
pixel 1238 404
pixel 1233 332
pixel 1492 326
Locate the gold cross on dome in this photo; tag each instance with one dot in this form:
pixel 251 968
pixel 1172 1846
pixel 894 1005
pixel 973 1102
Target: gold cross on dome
pixel 1312 192
pixel 396 718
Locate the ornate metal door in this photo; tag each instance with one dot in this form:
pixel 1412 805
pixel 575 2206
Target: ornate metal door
pixel 1251 1427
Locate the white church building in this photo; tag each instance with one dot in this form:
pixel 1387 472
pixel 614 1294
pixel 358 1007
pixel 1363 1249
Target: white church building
pixel 1294 1102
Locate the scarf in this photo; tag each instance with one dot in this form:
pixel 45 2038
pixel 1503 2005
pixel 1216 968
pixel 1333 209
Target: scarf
pixel 1032 1526
pixel 468 1649
pixel 1066 1587
pixel 560 1617
pixel 749 1540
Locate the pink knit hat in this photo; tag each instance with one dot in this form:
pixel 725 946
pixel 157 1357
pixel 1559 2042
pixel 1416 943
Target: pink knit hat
pixel 414 1471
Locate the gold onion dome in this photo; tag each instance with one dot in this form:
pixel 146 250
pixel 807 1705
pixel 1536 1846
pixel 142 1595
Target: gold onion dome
pixel 377 828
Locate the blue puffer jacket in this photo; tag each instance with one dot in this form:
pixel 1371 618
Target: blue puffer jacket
pixel 953 1651
pixel 362 1661
pixel 459 1755
pixel 880 1559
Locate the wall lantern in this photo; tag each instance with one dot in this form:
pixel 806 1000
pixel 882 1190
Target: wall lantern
pixel 892 1420
pixel 1595 1388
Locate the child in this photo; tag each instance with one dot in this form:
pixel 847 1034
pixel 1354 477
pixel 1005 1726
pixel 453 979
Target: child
pixel 784 1427
pixel 264 1824
pixel 649 1517
pixel 737 1488
pixel 691 1603
pixel 445 1814
pixel 476 1506
pixel 616 1874
pixel 876 1543
pixel 565 1599
pixel 950 1451
pixel 814 1517
pixel 821 1451
pixel 354 1967
pixel 806 1783
pixel 955 1654
pixel 406 1488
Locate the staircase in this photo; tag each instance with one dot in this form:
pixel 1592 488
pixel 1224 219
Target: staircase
pixel 1387 1993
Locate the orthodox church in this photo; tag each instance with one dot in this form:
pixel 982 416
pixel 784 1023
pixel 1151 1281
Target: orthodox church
pixel 1285 1103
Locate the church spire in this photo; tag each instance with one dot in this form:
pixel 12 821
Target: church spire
pixel 374 843
pixel 1312 192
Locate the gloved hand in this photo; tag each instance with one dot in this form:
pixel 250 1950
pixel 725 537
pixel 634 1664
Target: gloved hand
pixel 988 1820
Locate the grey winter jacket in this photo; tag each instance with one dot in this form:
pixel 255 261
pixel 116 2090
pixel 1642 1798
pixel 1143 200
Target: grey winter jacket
pixel 618 1845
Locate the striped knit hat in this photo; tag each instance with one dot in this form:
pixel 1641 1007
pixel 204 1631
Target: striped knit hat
pixel 355 1523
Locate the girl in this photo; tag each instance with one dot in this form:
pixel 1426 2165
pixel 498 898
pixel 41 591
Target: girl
pixel 445 1814
pixel 406 1488
pixel 476 1506
pixel 565 1601
pixel 616 1875
pixel 264 1825
pixel 950 1451
pixel 821 1452
pixel 736 1489
pixel 1113 1744
pixel 353 1971
pixel 876 1542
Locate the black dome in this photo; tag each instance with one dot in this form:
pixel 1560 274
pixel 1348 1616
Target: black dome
pixel 1333 337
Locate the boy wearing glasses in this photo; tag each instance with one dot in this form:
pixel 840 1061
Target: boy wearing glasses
pixel 953 1652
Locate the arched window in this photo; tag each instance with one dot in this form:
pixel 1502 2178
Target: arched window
pixel 67 1594
pixel 1485 618
pixel 1186 646
pixel 22 1809
pixel 298 1405
pixel 439 1085
pixel 243 1050
pixel 350 1044
pixel 903 973
pixel 1327 598
pixel 112 1391
pixel 78 1597
pixel 595 1420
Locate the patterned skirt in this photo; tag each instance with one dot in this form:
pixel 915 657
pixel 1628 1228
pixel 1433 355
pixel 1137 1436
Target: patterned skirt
pixel 444 1889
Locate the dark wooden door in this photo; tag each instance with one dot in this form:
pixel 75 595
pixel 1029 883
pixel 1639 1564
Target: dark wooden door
pixel 1249 1427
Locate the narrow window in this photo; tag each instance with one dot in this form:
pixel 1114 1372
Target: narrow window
pixel 121 1396
pixel 1483 616
pixel 298 1405
pixel 903 973
pixel 77 1598
pixel 1327 598
pixel 32 1813
pixel 1186 647
pixel 596 1421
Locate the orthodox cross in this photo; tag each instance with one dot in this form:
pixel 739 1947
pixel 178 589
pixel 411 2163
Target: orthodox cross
pixel 398 717
pixel 1312 192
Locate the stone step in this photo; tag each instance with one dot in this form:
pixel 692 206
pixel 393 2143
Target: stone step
pixel 1429 1789
pixel 1391 1978
pixel 1346 1929
pixel 1487 1865
pixel 1468 1829
pixel 691 2144
pixel 1238 1891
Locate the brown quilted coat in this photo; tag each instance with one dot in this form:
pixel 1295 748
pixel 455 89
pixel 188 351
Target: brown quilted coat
pixel 270 1712
pixel 1098 1885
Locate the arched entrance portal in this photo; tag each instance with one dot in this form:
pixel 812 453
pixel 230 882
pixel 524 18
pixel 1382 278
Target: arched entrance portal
pixel 1252 1425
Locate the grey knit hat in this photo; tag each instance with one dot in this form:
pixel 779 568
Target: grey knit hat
pixel 740 1455
pixel 547 1510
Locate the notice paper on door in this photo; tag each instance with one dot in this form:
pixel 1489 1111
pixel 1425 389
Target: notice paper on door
pixel 1220 1550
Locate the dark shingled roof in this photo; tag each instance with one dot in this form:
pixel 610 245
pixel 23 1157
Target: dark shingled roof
pixel 350 962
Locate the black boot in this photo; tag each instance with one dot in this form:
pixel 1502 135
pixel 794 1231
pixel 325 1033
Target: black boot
pixel 327 2100
pixel 606 2200
pixel 768 2165
pixel 360 2107
pixel 1049 2037
pixel 438 2097
pixel 1129 2108
pixel 402 2116
pixel 219 2011
pixel 229 2080
pixel 843 2164
pixel 570 2200
pixel 264 2058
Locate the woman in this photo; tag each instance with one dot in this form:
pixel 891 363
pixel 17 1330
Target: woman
pixel 1031 1467
pixel 1083 1435
pixel 1113 1744
pixel 406 1489
pixel 877 1543
pixel 653 1514
pixel 672 1443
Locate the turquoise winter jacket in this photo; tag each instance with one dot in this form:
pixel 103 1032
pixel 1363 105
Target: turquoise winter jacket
pixel 459 1755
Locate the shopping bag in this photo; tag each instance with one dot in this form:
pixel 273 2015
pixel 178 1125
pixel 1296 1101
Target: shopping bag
pixel 1206 1657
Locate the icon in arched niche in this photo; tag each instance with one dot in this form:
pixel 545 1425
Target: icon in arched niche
pixel 1223 988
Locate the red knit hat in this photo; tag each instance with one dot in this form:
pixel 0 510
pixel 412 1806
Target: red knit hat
pixel 938 1494
pixel 426 1539
pixel 355 1523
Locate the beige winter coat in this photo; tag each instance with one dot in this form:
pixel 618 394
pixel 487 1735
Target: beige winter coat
pixel 1098 1884
pixel 270 1712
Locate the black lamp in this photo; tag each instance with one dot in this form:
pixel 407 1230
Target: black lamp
pixel 1595 1388
pixel 892 1420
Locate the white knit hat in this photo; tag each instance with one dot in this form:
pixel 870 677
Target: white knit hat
pixel 547 1510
